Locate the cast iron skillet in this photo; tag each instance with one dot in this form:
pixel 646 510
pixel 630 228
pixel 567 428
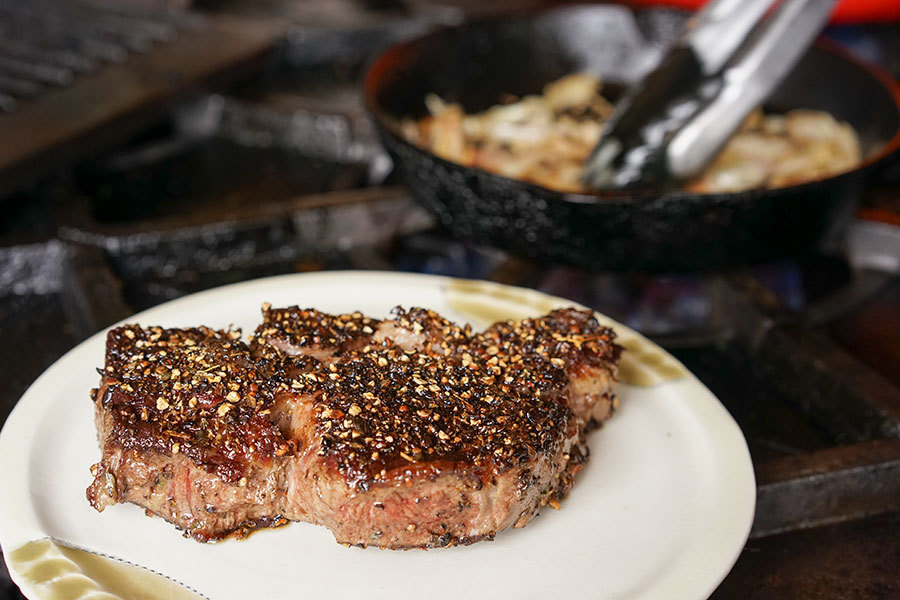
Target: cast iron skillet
pixel 477 64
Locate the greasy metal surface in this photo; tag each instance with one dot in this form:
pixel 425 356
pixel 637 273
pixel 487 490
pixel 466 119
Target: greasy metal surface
pixel 205 178
pixel 874 331
pixel 52 296
pixel 854 560
pixel 163 259
pixel 122 98
pixel 827 486
pixel 840 394
pixel 50 43
pixel 773 427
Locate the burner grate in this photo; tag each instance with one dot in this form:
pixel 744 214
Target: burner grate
pixel 46 44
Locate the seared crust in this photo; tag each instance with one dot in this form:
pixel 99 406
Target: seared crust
pixel 409 432
pixel 294 331
pixel 192 391
pixel 384 408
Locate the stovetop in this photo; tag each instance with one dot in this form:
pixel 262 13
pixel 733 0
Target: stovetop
pixel 282 173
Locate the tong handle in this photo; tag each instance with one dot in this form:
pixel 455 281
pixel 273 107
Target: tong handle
pixel 760 64
pixel 723 66
pixel 717 31
pixel 630 149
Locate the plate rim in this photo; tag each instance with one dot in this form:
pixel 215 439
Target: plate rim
pixel 29 403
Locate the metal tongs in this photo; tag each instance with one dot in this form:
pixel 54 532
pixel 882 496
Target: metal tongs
pixel 726 63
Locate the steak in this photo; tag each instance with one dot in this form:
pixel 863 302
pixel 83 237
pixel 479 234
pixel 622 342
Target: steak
pixel 403 433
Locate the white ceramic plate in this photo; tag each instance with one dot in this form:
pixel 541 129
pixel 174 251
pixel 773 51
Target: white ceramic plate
pixel 661 511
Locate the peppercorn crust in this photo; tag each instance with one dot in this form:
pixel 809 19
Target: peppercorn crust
pixel 311 329
pixel 193 391
pixel 429 433
pixel 491 400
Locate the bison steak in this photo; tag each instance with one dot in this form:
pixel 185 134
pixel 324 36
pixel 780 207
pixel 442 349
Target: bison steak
pixel 403 433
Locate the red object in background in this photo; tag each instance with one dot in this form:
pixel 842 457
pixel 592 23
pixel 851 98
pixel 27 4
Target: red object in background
pixel 847 11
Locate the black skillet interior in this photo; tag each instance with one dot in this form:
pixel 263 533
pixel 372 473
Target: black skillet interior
pixel 478 64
